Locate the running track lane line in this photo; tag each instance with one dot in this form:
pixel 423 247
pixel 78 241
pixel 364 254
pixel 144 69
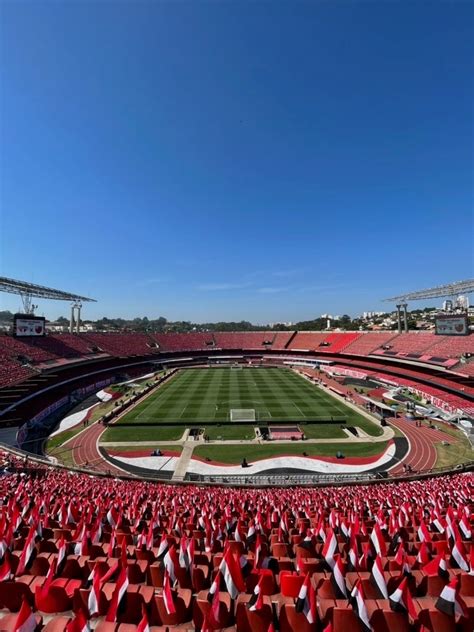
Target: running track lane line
pixel 84 450
pixel 422 454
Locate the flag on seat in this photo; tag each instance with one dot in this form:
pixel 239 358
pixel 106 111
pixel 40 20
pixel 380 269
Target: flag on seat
pixel 26 620
pixel 168 595
pixel 42 592
pixel 337 578
pixel 377 539
pixel 230 569
pixel 306 601
pixel 214 599
pixel 256 600
pixel 423 556
pixel 143 625
pixel 450 601
pixel 171 562
pixel 27 552
pixel 330 548
pixel 437 566
pixel 358 604
pixel 459 555
pixel 6 567
pixel 401 599
pixel 118 594
pixel 377 577
pixel 93 600
pixel 79 623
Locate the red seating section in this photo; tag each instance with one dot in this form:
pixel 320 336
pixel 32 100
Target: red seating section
pixel 122 345
pixel 11 371
pixel 368 342
pixel 108 525
pixel 411 342
pixel 55 348
pixel 184 342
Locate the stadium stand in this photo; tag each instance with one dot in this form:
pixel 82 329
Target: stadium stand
pixel 451 346
pixel 184 342
pixel 11 372
pixel 122 345
pixel 281 339
pixel 415 343
pixel 30 349
pixel 367 342
pixel 308 340
pixel 243 340
pixel 130 555
pixel 337 342
pixel 466 369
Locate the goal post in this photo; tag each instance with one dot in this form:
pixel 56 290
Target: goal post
pixel 242 414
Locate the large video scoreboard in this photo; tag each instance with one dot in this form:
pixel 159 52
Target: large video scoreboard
pixel 27 325
pixel 455 325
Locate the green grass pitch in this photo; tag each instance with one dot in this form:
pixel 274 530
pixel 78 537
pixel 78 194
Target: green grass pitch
pixel 197 396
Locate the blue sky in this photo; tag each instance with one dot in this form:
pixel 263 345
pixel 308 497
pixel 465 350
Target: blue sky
pixel 260 161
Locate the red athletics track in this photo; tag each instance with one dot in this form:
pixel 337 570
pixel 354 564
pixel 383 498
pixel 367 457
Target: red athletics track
pixel 422 453
pixel 85 452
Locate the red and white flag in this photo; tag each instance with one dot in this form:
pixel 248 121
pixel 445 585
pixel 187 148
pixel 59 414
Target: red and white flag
pixel 401 599
pixel 168 594
pixel 377 539
pixel 330 548
pixel 26 620
pixel 459 555
pixel 214 599
pixel 306 600
pixel 118 594
pixel 61 553
pixel 256 600
pixel 163 548
pixel 6 567
pixel 113 517
pixel 27 552
pixel 358 603
pixel 93 599
pixel 423 556
pixel 465 527
pixel 143 626
pixel 377 577
pixel 42 592
pixel 79 623
pixel 450 601
pixel 338 579
pixel 230 569
pixel 423 534
pixel 437 566
pixel 171 562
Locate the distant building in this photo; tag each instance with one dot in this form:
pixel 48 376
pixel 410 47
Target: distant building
pixel 462 302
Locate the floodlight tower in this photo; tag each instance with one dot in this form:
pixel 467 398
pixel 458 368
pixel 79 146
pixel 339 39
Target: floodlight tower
pixel 78 324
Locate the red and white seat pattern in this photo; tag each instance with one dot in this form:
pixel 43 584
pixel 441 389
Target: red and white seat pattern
pixel 129 554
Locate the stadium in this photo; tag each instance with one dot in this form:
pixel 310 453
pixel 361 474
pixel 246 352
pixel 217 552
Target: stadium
pixel 236 316
pixel 236 480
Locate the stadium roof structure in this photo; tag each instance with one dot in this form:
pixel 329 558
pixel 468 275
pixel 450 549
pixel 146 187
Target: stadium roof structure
pixel 450 289
pixel 29 290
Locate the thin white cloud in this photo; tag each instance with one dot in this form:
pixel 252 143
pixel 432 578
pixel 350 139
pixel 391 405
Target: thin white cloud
pixel 152 281
pixel 221 287
pixel 272 290
pixel 322 288
pixel 290 272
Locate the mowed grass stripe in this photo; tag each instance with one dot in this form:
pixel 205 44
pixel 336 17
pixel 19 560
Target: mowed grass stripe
pixel 201 395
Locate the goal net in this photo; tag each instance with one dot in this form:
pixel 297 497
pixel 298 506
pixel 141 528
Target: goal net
pixel 242 414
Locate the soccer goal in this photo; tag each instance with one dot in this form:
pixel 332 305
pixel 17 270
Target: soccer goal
pixel 242 414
